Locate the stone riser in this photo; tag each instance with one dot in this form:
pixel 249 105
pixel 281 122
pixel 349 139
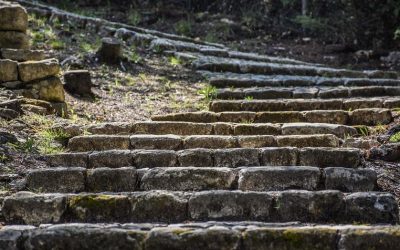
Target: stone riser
pixel 219 64
pixel 232 80
pixel 306 93
pixel 189 128
pixel 73 180
pixel 174 207
pixel 304 104
pixel 200 236
pixel 369 117
pixel 316 157
pixel 172 142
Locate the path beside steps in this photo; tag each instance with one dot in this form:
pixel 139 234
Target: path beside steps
pixel 268 166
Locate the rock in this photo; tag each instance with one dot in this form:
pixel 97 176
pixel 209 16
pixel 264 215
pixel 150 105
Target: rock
pixel 108 159
pixel 32 209
pixel 170 142
pixel 22 55
pixel 7 137
pixel 386 152
pixel 98 142
pixel 68 160
pixel 8 71
pixel 14 40
pixel 34 109
pixel 12 85
pixel 64 180
pixel 111 180
pixel 110 50
pixel 350 180
pixel 237 157
pixel 78 82
pixel 370 117
pixel 154 158
pixel 372 208
pixel 195 157
pixel 369 238
pixel 49 89
pixel 230 205
pixel 283 156
pixel 34 70
pixel 8 114
pixel 13 18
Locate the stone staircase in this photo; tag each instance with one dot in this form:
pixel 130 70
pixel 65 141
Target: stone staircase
pixel 269 173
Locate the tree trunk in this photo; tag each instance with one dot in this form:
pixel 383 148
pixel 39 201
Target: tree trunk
pixel 304 7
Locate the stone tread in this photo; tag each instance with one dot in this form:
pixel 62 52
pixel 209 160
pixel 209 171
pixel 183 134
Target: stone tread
pixel 222 205
pixel 305 104
pixel 201 236
pixel 174 142
pixel 306 92
pixel 369 117
pixel 277 178
pixel 234 80
pixel 233 158
pixel 201 127
pixel 220 64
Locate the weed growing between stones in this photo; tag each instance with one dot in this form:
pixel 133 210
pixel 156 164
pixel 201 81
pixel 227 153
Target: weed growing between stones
pixel 395 138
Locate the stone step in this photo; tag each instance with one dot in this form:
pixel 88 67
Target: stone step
pixel 220 64
pixel 370 117
pixel 233 80
pixel 233 158
pixel 201 236
pixel 221 205
pixel 304 104
pixel 174 142
pixel 212 128
pixel 73 180
pixel 306 92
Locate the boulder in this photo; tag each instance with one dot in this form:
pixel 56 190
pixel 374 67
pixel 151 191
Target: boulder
pixel 78 82
pixel 50 89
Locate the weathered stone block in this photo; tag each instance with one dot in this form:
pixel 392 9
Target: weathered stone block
pixel 68 160
pixel 112 179
pixel 238 117
pixel 22 55
pixel 306 206
pixel 371 208
pixel 214 238
pixel 301 141
pixel 167 142
pixel 196 158
pixel 237 157
pixel 13 17
pixel 111 159
pixel 14 40
pixel 33 70
pixel 230 205
pixel 8 71
pixel 205 141
pixel 256 141
pixel 49 89
pixel 326 116
pixel 318 128
pixel 29 208
pixel 155 158
pixel 279 156
pixel 158 206
pixel 330 157
pixel 99 208
pixel 62 180
pixel 350 180
pixel 370 117
pixel 176 128
pixel 279 178
pixel 369 238
pixel 312 238
pixel 257 129
pixel 279 117
pixel 99 142
pixel 187 179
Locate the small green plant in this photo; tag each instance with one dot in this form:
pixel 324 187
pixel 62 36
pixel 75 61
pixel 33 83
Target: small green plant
pixel 3 157
pixel 135 57
pixel 209 92
pixel 57 44
pixel 134 17
pixel 174 61
pixel 157 49
pixel 363 130
pixel 395 137
pixel 249 98
pixel 397 34
pixel 183 27
pixel 27 146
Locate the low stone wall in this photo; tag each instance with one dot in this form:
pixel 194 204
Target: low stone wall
pixel 22 70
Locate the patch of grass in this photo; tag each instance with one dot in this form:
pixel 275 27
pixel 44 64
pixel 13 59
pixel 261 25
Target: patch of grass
pixel 57 44
pixel 395 138
pixel 50 141
pixel 134 17
pixel 249 98
pixel 183 27
pixel 208 92
pixel 174 61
